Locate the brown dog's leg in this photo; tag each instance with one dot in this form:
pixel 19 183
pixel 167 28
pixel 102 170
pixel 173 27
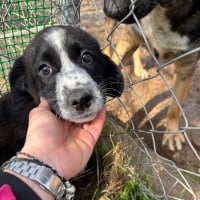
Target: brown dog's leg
pixel 125 47
pixel 184 73
pixel 109 24
pixel 129 46
pixel 139 69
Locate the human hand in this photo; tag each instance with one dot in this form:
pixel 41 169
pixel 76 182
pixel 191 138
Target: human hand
pixel 63 145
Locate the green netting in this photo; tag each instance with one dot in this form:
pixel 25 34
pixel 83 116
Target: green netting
pixel 19 21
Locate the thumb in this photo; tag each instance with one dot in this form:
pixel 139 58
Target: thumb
pixel 44 103
pixel 95 127
pixel 43 106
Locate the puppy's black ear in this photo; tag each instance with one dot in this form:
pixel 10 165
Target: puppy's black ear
pixel 114 81
pixel 17 74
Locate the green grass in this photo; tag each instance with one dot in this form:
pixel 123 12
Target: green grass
pixel 118 178
pixel 136 189
pixel 110 174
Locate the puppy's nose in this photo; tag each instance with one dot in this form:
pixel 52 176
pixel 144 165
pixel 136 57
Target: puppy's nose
pixel 80 99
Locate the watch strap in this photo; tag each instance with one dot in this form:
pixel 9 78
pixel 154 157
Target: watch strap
pixel 43 176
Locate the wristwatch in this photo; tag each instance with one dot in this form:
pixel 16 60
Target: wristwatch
pixel 43 176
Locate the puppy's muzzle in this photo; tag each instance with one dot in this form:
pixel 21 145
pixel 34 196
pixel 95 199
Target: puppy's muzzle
pixel 80 99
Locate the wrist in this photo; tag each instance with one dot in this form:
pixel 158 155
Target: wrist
pixel 43 194
pixel 44 176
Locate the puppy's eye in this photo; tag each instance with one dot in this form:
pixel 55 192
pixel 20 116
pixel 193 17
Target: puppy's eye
pixel 86 57
pixel 45 70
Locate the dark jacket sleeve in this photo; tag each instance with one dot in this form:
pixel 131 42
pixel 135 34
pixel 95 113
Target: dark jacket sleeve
pixel 19 188
pixel 118 9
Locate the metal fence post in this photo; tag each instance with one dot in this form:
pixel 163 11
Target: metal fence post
pixel 68 12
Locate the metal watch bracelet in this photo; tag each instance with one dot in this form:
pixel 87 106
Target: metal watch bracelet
pixel 43 176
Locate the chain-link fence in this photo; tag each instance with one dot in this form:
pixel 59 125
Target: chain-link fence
pixel 139 116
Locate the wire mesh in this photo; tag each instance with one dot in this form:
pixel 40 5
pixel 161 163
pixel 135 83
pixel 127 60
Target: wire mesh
pixel 19 21
pixel 143 106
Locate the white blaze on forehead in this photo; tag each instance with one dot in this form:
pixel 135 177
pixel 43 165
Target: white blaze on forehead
pixel 70 74
pixel 56 39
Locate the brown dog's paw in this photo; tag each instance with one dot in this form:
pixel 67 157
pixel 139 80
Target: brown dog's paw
pixel 142 73
pixel 173 141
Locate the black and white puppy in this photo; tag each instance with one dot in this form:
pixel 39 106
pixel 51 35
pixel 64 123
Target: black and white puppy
pixel 65 66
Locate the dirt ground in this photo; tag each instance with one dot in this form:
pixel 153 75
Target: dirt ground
pixel 156 99
pixel 153 93
pixel 151 96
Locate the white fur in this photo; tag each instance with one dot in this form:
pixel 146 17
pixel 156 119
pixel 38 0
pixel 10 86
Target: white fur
pixel 158 31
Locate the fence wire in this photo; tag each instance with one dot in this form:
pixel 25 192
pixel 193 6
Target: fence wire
pixel 143 106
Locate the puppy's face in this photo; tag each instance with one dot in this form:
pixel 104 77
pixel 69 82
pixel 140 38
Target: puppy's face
pixel 65 66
